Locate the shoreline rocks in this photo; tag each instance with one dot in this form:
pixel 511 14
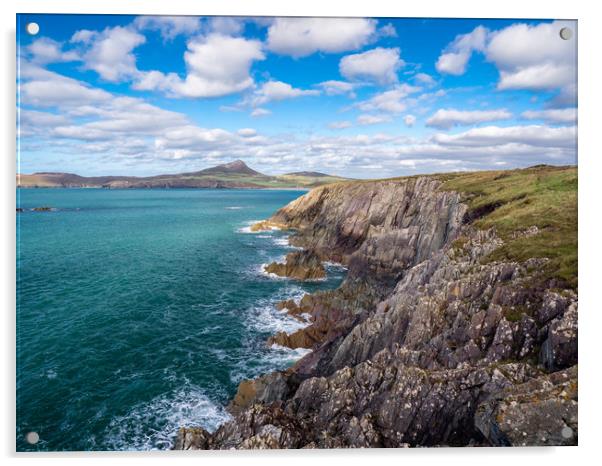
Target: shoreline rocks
pixel 425 343
pixel 300 265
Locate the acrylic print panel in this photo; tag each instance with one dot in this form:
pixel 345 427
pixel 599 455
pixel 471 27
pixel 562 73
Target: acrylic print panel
pixel 295 232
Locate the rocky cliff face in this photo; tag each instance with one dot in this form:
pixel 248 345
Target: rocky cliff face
pixel 425 343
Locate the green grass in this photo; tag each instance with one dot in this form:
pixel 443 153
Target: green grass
pixel 543 196
pixel 282 181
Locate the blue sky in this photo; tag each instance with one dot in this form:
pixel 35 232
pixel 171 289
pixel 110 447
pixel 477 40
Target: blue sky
pixel 373 97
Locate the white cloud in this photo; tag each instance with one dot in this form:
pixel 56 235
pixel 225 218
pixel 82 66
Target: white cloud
pixel 46 89
pixel 409 120
pixel 534 57
pixel 555 115
pixel 277 90
pixel 299 37
pixel 372 119
pixel 45 50
pixel 379 65
pixel 455 56
pixel 259 112
pixel 532 135
pixel 388 30
pixel 334 87
pixel 169 26
pixel 217 65
pixel 445 118
pixel 425 79
pixel 247 132
pixel 391 101
pixel 110 52
pixel 226 25
pixel 527 56
pixel 340 124
pixel 83 36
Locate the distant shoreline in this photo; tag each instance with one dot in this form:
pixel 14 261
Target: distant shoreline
pixel 306 189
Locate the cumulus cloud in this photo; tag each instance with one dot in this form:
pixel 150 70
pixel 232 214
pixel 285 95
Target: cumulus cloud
pixel 169 26
pixel 455 56
pixel 226 25
pixel 110 52
pixel 390 101
pixel 299 37
pixel 533 57
pixel 554 115
pixel 446 118
pixel 247 132
pixel 378 65
pixel 334 87
pixel 425 79
pixel 45 50
pixel 43 88
pixel 277 90
pixel 532 135
pixel 216 65
pixel 388 30
pixel 527 56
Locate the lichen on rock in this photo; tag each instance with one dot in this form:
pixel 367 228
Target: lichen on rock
pixel 427 342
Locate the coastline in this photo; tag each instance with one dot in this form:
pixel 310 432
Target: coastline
pixel 386 316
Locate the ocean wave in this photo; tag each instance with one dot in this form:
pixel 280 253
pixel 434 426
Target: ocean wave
pixel 334 266
pixel 265 318
pixel 154 425
pixel 247 227
pixel 234 207
pixel 274 358
pixel 260 270
pixel 282 241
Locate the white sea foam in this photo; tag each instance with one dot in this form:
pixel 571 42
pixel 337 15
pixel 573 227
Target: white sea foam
pixel 282 241
pixel 234 207
pixel 274 358
pixel 334 266
pixel 247 227
pixel 263 272
pixel 264 317
pixel 154 425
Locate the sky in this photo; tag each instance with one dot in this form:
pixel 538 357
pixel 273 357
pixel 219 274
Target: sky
pixel 356 97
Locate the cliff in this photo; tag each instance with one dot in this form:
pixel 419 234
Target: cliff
pixel 456 324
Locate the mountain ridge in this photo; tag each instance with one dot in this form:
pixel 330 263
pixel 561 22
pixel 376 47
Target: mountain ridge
pixel 230 175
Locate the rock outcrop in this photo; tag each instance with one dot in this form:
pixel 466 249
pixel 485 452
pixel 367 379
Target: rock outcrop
pixel 301 265
pixel 425 343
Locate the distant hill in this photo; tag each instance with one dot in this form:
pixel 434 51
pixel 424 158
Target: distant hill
pixel 310 174
pixel 235 174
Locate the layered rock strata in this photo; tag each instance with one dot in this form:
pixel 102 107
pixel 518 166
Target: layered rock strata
pixel 425 343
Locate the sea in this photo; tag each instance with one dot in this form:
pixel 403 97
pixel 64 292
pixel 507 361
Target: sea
pixel 140 311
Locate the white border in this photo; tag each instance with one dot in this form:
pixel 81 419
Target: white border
pixel 590 227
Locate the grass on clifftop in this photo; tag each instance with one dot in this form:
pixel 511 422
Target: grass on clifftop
pixel 514 200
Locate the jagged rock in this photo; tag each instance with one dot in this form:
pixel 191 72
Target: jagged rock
pixel 265 389
pixel 541 411
pixel 559 350
pixel 425 343
pixel 302 265
pixel 267 225
pixel 192 438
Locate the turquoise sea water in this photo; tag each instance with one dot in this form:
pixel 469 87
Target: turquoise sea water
pixel 139 311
